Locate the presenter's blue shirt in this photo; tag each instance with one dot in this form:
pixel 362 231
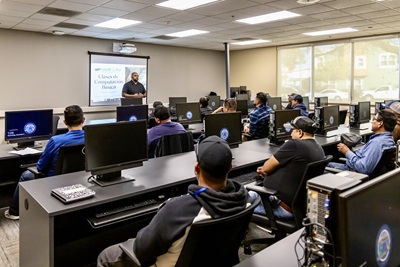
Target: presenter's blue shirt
pixel 48 159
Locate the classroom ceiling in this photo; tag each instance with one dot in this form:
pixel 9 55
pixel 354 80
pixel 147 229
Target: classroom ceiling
pixel 78 17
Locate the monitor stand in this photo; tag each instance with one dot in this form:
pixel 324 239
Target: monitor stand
pixel 112 178
pixel 23 145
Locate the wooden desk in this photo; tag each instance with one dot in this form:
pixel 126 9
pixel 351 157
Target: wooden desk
pixel 54 234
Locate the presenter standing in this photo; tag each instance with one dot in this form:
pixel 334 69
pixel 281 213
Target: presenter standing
pixel 133 88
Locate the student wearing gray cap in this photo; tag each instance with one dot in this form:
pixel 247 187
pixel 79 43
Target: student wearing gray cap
pixel 161 241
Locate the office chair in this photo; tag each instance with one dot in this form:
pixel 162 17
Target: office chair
pixel 56 118
pixel 70 159
pixel 174 144
pixel 211 242
pixel 281 227
pixel 385 164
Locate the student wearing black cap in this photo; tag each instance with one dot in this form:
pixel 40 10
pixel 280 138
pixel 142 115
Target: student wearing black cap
pixel 283 171
pixel 290 98
pixel 161 241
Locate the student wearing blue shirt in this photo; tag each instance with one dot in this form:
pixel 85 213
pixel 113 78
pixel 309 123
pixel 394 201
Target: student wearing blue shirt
pixel 297 103
pixel 365 159
pixel 73 119
pixel 258 117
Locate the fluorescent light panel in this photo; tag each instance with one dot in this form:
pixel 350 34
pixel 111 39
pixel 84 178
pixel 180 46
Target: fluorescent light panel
pixel 117 23
pixel 334 31
pixel 269 17
pixel 185 4
pixel 186 33
pixel 250 42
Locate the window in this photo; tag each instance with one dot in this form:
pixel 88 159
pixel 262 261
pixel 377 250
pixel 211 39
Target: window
pixel 387 60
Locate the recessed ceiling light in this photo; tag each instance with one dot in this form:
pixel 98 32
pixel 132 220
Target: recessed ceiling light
pixel 380 0
pixel 117 23
pixel 57 32
pixel 186 33
pixel 259 41
pixel 307 2
pixel 334 31
pixel 185 4
pixel 269 17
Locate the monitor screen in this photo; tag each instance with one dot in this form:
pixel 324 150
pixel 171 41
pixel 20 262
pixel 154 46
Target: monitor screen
pixel 112 147
pixel 234 91
pixel 328 118
pixel 306 102
pixel 243 89
pixel 173 100
pixel 321 101
pixel 278 132
pixel 214 101
pixel 25 127
pixel 364 112
pixel 242 97
pixel 132 113
pixel 227 126
pixel 241 105
pixel 187 113
pixel 131 101
pixel 369 223
pixel 275 103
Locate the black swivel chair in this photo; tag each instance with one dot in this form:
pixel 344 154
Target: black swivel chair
pixel 212 243
pixel 279 227
pixel 174 144
pixel 56 118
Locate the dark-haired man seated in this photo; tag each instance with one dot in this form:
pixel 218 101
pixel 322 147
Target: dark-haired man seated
pixel 258 117
pixel 161 241
pixel 73 119
pixel 284 170
pixel 164 127
pixel 365 159
pixel 297 103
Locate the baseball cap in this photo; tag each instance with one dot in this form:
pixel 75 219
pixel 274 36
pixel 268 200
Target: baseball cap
pixel 214 155
pixel 303 123
pixel 395 107
pixel 292 95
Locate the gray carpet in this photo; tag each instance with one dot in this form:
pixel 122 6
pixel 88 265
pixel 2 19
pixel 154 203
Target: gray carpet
pixel 9 241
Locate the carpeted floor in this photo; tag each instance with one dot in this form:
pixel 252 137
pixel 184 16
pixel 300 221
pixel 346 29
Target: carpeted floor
pixel 9 241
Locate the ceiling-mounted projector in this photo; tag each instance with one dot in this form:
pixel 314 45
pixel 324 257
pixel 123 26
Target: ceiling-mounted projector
pixel 124 48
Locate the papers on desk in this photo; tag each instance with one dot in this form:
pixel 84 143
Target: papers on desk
pixel 26 151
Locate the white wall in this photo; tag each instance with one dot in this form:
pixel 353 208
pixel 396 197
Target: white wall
pixel 39 70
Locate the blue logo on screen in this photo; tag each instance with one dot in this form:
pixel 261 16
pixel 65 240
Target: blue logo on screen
pixel 30 128
pixel 189 115
pixel 287 126
pixel 224 133
pixel 383 245
pixel 331 120
pixel 213 104
pixel 132 118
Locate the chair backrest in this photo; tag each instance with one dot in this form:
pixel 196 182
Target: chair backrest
pixel 174 144
pixel 216 242
pixel 386 163
pixel 56 118
pixel 265 130
pixel 70 159
pixel 312 170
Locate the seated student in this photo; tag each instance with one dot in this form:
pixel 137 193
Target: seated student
pixel 365 159
pixel 204 108
pixel 73 119
pixel 290 98
pixel 161 241
pixel 151 120
pixel 284 170
pixel 297 103
pixel 395 108
pixel 258 117
pixel 164 127
pixel 230 105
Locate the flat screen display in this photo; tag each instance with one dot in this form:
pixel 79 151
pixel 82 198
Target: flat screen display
pixel 187 113
pixel 214 101
pixel 241 105
pixel 132 113
pixel 321 101
pixel 131 101
pixel 364 111
pixel 242 97
pixel 173 100
pixel 306 102
pixel 330 117
pixel 227 126
pixel 275 103
pixel 280 118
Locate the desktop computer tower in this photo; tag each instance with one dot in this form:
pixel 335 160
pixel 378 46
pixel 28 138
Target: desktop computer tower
pixel 353 115
pixel 322 203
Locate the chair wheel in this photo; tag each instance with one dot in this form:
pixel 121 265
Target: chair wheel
pixel 247 250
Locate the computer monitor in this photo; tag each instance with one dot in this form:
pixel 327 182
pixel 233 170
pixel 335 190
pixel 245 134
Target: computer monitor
pixel 327 119
pixel 320 101
pixel 306 102
pixel 112 147
pixel 234 91
pixel 214 101
pixel 227 126
pixel 188 113
pixel 369 222
pixel 242 97
pixel 241 105
pixel 131 101
pixel 359 113
pixel 242 89
pixel 26 127
pixel 173 100
pixel 132 113
pixel 379 106
pixel 275 103
pixel 278 133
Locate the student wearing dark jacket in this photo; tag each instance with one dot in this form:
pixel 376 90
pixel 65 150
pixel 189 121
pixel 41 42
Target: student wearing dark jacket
pixel 297 103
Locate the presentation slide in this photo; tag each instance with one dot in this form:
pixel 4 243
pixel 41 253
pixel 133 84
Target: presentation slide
pixel 109 73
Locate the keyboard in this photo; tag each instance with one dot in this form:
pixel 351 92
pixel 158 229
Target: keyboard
pixel 246 178
pixel 122 213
